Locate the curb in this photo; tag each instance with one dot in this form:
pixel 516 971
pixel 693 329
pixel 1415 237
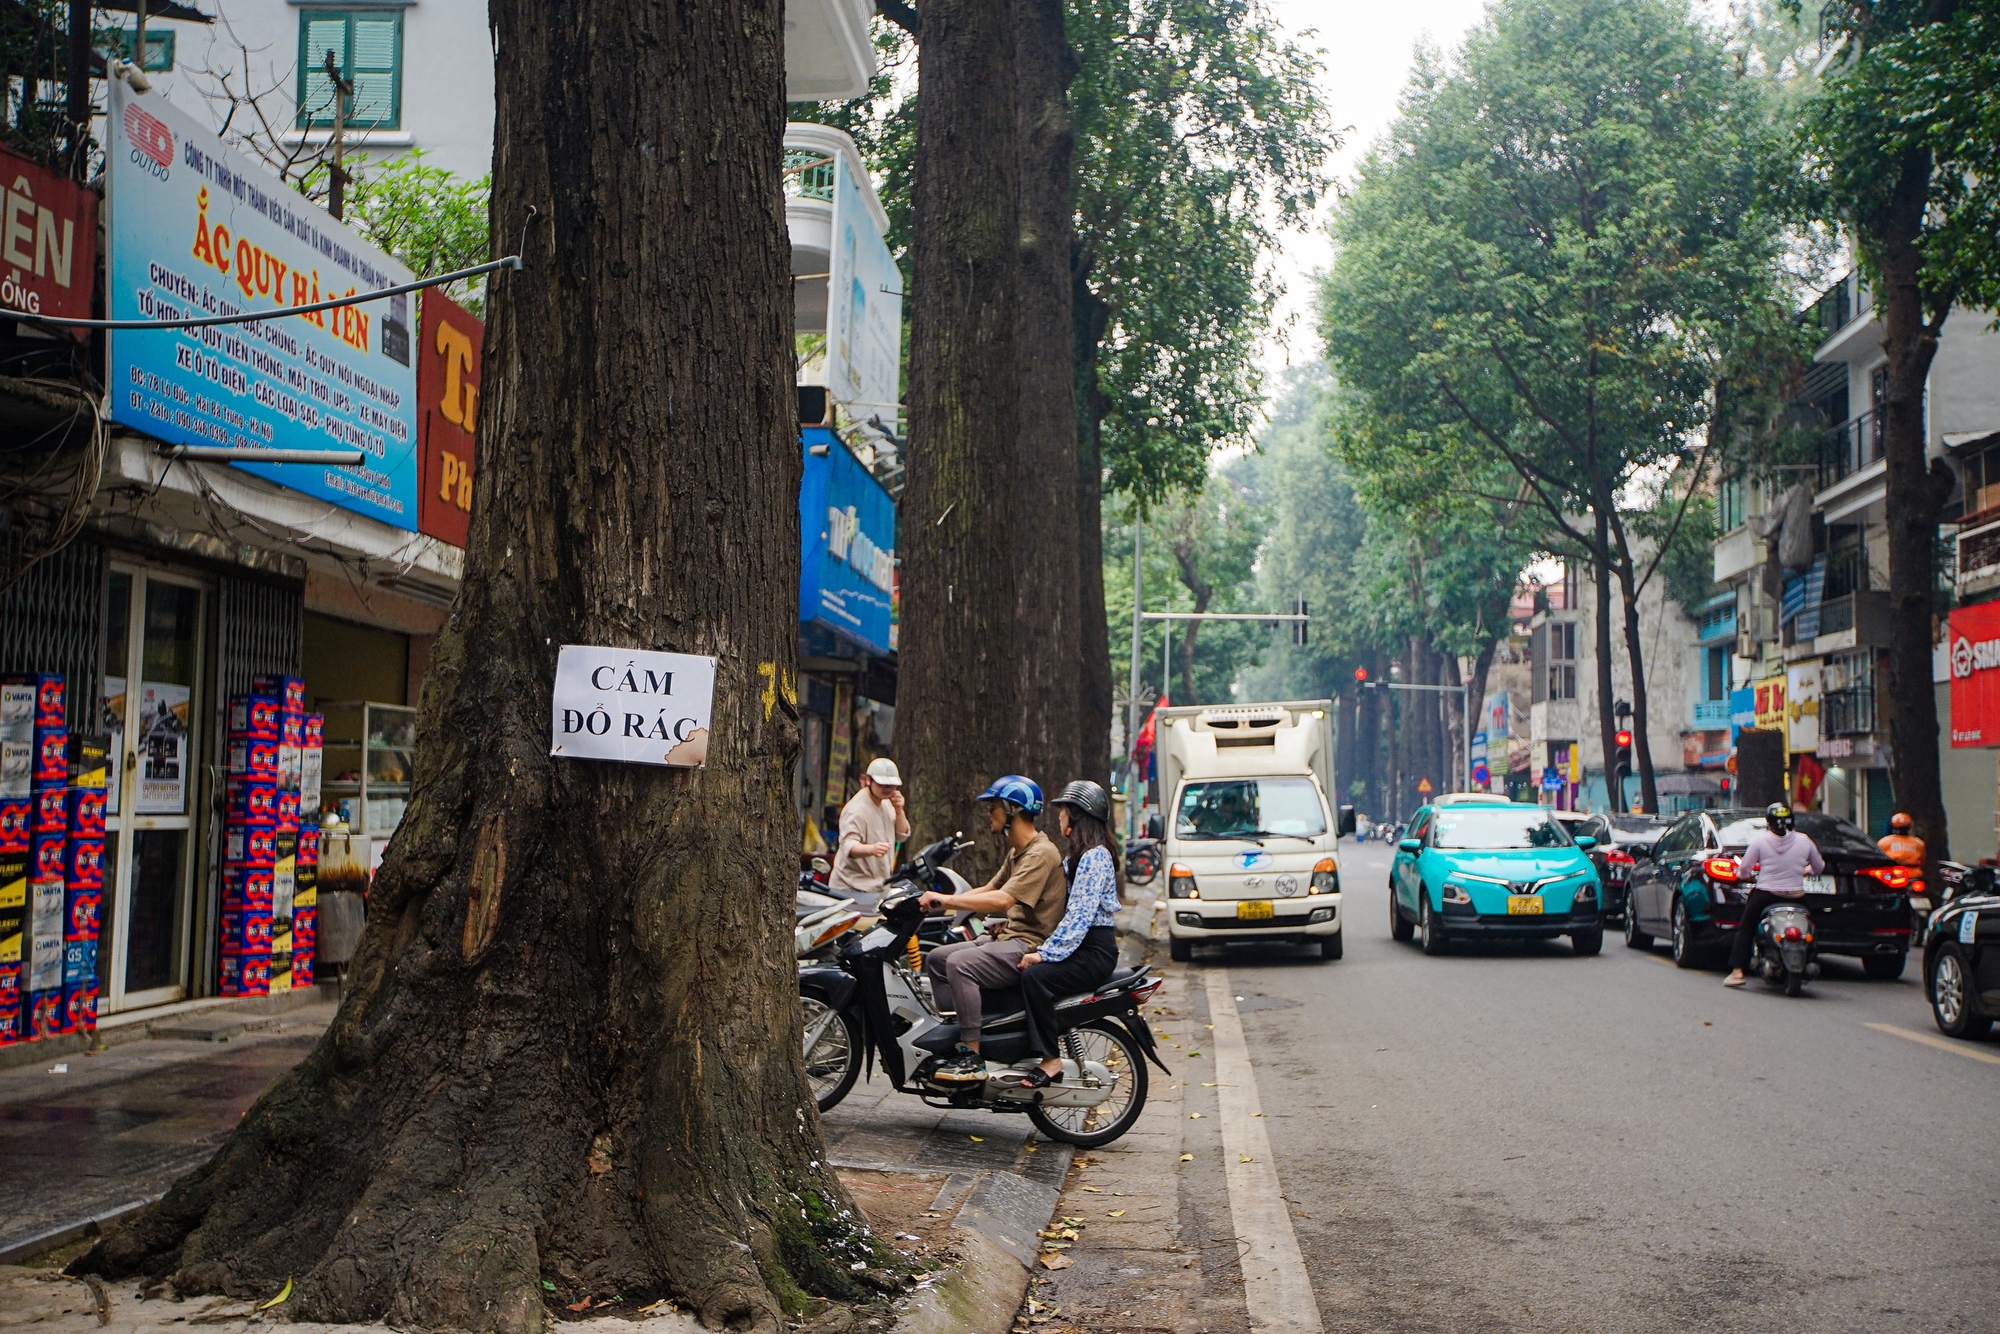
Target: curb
pixel 21 1252
pixel 998 1217
pixel 207 1019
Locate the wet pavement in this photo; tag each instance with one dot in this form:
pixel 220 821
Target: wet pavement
pixel 85 1137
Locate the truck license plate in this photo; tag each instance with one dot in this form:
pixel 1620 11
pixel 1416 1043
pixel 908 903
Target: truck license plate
pixel 1524 905
pixel 1820 884
pixel 1253 910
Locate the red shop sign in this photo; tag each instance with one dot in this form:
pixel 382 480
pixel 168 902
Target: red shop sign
pixel 48 241
pixel 1975 675
pixel 447 416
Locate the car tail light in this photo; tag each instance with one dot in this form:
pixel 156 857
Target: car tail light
pixel 1895 877
pixel 1723 869
pixel 1620 857
pixel 1180 882
pixel 1326 876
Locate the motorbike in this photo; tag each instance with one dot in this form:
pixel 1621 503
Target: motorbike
pixel 1142 860
pixel 877 1006
pixel 1785 955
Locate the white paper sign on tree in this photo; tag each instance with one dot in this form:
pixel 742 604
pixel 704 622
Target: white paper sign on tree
pixel 631 705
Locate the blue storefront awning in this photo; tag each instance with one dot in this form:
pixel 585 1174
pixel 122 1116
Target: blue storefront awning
pixel 847 530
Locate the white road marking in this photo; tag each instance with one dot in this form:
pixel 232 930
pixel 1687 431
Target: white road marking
pixel 1276 1290
pixel 1971 1053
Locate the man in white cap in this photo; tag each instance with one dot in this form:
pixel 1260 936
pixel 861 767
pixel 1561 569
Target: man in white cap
pixel 871 824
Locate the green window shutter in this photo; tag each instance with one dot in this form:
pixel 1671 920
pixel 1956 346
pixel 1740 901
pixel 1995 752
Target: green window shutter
pixel 367 46
pixel 376 48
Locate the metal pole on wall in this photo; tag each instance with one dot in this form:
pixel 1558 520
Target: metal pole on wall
pixel 1132 789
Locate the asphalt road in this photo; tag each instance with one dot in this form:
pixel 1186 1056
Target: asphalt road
pixel 1515 1138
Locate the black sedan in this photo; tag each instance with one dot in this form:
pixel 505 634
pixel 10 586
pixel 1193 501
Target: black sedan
pixel 1962 953
pixel 1623 841
pixel 1692 890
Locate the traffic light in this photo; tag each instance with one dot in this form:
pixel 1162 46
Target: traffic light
pixel 1621 761
pixel 1361 675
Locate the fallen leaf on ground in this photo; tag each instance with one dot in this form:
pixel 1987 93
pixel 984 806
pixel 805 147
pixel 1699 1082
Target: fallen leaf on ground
pixel 654 1306
pixel 583 1305
pixel 1256 1113
pixel 1194 1116
pixel 1117 1213
pixel 283 1293
pixel 1092 1189
pixel 1207 1085
pixel 976 1139
pixel 1187 1157
pixel 1057 1262
pixel 1194 1053
pixel 1245 1158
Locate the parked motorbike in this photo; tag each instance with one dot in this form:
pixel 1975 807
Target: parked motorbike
pixel 822 920
pixel 1785 955
pixel 1142 861
pixel 876 1006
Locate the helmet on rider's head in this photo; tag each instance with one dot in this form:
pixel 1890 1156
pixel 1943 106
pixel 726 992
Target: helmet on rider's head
pixel 1900 822
pixel 1778 818
pixel 1015 791
pixel 1086 796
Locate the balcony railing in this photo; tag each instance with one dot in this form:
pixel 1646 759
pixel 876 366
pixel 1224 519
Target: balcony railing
pixel 1866 612
pixel 1842 304
pixel 1849 712
pixel 1979 548
pixel 1711 713
pixel 808 174
pixel 1848 448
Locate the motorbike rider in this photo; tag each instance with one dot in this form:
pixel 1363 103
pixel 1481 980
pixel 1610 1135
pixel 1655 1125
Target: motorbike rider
pixel 1030 888
pixel 1781 857
pixel 1901 845
pixel 871 824
pixel 1083 949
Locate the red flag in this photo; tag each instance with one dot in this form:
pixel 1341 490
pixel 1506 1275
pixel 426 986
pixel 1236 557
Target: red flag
pixel 1143 750
pixel 1806 786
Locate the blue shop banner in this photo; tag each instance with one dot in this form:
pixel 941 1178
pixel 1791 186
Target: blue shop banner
pixel 847 524
pixel 195 228
pixel 1742 711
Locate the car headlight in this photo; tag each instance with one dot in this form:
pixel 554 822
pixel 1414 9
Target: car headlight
pixel 1456 894
pixel 1587 890
pixel 1320 915
pixel 1180 882
pixel 1325 877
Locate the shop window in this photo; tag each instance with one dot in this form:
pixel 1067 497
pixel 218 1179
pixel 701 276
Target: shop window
pixel 367 49
pixel 1715 674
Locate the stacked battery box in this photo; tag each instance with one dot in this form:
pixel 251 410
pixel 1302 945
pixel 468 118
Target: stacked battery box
pixel 34 800
pixel 83 880
pixel 262 934
pixel 305 873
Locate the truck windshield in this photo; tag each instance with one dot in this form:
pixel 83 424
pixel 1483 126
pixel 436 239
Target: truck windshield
pixel 1251 808
pixel 1496 827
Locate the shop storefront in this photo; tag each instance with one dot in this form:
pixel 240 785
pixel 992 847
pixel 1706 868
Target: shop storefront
pixel 847 630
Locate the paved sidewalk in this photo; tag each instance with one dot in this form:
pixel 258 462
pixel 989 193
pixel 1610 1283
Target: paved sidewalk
pixel 87 1137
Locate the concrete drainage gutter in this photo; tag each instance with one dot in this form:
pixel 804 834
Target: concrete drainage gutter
pixel 999 1215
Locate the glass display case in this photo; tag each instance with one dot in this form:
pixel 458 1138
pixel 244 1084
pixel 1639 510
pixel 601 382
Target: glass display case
pixel 369 750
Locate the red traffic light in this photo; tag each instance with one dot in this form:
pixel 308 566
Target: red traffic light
pixel 1361 673
pixel 1621 738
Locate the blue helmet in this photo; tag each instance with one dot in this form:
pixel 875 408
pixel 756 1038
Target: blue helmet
pixel 1013 788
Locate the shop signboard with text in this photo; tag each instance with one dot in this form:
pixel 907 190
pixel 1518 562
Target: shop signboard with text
pixel 848 552
pixel 864 306
pixel 1973 642
pixel 48 241
pixel 448 349
pixel 196 229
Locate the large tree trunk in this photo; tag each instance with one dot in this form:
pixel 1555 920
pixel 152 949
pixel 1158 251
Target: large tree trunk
pixel 1050 640
pixel 1607 724
pixel 1635 652
pixel 568 1055
pixel 1917 490
pixel 959 691
pixel 1096 694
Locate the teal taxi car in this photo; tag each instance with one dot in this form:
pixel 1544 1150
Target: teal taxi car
pixel 1494 871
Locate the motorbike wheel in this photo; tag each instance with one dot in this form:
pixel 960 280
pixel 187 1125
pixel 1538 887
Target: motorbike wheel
pixel 1107 1042
pixel 833 1050
pixel 1399 926
pixel 1635 939
pixel 1951 997
pixel 1427 928
pixel 1885 967
pixel 1795 983
pixel 1683 940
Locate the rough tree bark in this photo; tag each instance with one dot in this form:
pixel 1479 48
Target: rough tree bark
pixel 1918 486
pixel 568 1052
pixel 959 686
pixel 1186 560
pixel 1097 693
pixel 1600 570
pixel 1049 625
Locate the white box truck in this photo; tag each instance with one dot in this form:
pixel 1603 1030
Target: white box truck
pixel 1251 839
